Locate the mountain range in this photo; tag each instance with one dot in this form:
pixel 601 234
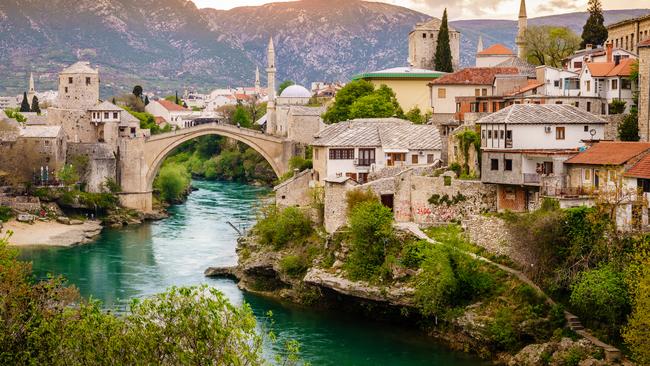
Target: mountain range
pixel 168 45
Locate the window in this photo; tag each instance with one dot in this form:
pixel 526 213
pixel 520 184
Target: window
pixel 87 81
pixel 395 157
pixel 507 165
pixel 586 128
pixel 558 102
pixel 489 134
pixel 414 159
pixel 556 83
pixel 588 106
pixel 442 93
pixel 559 133
pixel 473 107
pixel 341 154
pixel 483 134
pixel 588 85
pixel 587 174
pixel 457 107
pixel 626 84
pixel 484 92
pixel 114 115
pixel 424 35
pixel 105 115
pixel 548 167
pixel 477 92
pixel 494 164
pixel 643 184
pixel 430 159
pixel 69 80
pixel 484 107
pixel 614 84
pixel 363 177
pixel 576 104
pixel 366 157
pixel 316 151
pixel 66 90
pixel 501 132
pixel 577 65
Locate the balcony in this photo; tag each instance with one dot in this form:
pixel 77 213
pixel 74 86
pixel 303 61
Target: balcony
pixel 532 178
pixel 364 162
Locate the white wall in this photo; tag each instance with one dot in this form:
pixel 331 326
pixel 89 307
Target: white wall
pixel 491 60
pixel 534 136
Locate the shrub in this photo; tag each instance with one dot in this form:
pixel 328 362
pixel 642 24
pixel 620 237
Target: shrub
pixel 414 253
pixel 637 331
pixel 601 294
pixel 172 182
pixel 5 213
pixel 280 227
pixel 456 168
pixel 358 196
pixel 472 281
pixel 371 229
pixel 112 186
pixel 300 163
pixel 68 175
pixel 502 330
pixel 293 265
pixel 617 106
pixel 436 282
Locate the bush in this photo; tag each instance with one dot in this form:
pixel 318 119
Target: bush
pixel 358 196
pixel 293 265
pixel 617 106
pixel 299 163
pixel 5 213
pixel 601 294
pixel 436 283
pixel 414 253
pixel 502 330
pixel 280 227
pixel 371 229
pixel 473 282
pixel 172 182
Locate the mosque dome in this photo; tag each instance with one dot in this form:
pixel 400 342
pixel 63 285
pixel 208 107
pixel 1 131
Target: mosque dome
pixel 295 91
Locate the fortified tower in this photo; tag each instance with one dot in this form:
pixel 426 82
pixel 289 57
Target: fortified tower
pixel 78 87
pixel 520 41
pixel 270 71
pixel 423 41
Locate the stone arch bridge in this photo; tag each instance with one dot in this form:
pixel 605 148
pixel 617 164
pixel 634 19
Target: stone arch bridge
pixel 141 158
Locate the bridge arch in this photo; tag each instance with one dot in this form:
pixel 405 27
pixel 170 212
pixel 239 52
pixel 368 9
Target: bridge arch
pixel 158 147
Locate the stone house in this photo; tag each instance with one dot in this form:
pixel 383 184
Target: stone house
pixel 627 33
pixel 411 85
pixel 356 148
pixel 171 112
pixel 576 61
pixel 524 147
pixel 422 43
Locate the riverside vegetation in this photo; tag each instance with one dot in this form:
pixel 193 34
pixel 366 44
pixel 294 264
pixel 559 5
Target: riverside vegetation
pixel 472 305
pixel 47 322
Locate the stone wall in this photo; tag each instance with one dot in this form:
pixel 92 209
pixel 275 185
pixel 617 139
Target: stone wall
pixel 22 203
pixel 335 211
pixel 611 128
pixel 492 234
pixel 644 93
pixel 295 192
pixel 102 164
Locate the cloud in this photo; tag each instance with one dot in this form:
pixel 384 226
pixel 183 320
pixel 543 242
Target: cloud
pixel 560 6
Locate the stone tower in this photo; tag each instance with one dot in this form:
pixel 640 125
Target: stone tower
pixel 520 41
pixel 423 40
pixel 270 71
pixel 479 47
pixel 32 90
pixel 257 81
pixel 78 87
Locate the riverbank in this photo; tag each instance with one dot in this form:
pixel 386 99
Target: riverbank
pixel 51 233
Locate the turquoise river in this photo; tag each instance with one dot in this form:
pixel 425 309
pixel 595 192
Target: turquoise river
pixel 142 260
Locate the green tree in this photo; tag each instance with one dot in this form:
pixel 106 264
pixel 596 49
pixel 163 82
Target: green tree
pixel 279 227
pixel 549 45
pixel 371 232
pixel 137 91
pixel 172 182
pixel 35 107
pixel 340 109
pixel 637 331
pixel 601 294
pixel 594 31
pixel 68 175
pixel 176 100
pixel 372 106
pixel 415 115
pixel 436 282
pixel 241 117
pixel 285 84
pixel 628 130
pixel 443 58
pixel 24 105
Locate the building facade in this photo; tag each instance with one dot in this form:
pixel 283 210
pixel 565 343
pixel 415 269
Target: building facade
pixel 423 40
pixel 628 33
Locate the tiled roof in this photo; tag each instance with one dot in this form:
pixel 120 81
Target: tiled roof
pixel 496 49
pixel 532 84
pixel 602 69
pixel 389 133
pixel 624 68
pixel 306 111
pixel 40 131
pixel 159 120
pixel 645 43
pixel 641 169
pixel 610 153
pixel 474 76
pixel 171 106
pixel 521 114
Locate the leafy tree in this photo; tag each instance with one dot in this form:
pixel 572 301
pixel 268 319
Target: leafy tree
pixel 35 107
pixel 340 109
pixel 443 58
pixel 617 106
pixel 68 175
pixel 172 182
pixel 241 117
pixel 24 105
pixel 372 106
pixel 371 231
pixel 601 294
pixel 277 228
pixel 137 91
pixel 13 113
pixel 148 122
pixel 637 331
pixel 594 31
pixel 415 115
pixel 436 283
pixel 549 45
pixel 285 84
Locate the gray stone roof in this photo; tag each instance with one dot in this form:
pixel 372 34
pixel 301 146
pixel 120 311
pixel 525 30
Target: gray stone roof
pixel 81 67
pixel 41 132
pixel 525 114
pixel 306 111
pixel 389 133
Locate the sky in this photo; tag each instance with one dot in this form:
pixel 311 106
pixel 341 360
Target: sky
pixel 468 9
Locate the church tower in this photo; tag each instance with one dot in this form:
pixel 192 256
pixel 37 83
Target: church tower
pixel 521 34
pixel 270 71
pixel 257 81
pixel 32 90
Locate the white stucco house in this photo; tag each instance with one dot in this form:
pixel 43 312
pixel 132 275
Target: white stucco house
pixel 171 112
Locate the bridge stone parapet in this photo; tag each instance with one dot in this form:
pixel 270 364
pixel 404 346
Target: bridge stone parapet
pixel 141 158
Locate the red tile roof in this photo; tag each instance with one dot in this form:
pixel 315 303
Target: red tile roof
pixel 624 68
pixel 645 43
pixel 532 84
pixel 159 120
pixel 474 76
pixel 640 169
pixel 601 69
pixel 171 106
pixel 610 153
pixel 497 49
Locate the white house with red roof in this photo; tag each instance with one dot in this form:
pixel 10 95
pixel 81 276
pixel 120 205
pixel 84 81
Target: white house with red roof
pixel 494 55
pixel 608 79
pixel 171 112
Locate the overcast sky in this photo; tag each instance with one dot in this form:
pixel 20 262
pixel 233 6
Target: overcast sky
pixel 469 9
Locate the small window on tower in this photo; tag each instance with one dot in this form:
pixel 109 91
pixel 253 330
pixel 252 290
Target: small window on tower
pixel 70 80
pixel 87 81
pixel 424 35
pixel 66 89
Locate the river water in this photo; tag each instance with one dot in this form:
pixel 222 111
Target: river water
pixel 142 260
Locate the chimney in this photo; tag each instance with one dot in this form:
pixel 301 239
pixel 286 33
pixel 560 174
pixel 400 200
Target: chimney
pixel 589 46
pixel 609 47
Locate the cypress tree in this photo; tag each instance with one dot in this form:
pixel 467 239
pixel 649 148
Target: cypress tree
pixel 35 107
pixel 146 100
pixel 177 101
pixel 594 31
pixel 24 105
pixel 443 60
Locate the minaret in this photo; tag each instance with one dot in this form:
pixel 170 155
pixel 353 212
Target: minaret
pixel 479 48
pixel 32 91
pixel 521 34
pixel 270 71
pixel 257 81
